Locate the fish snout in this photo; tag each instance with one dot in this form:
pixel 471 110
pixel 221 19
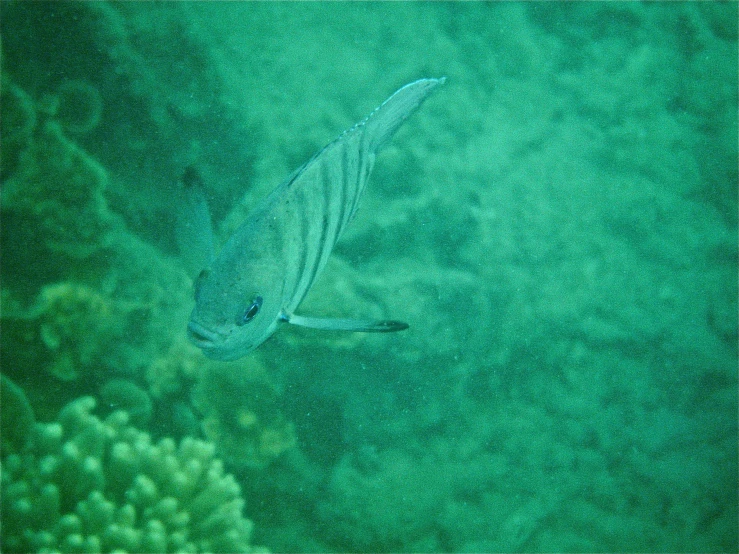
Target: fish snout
pixel 200 336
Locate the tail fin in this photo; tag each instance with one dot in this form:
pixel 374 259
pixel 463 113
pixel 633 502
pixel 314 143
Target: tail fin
pixel 382 123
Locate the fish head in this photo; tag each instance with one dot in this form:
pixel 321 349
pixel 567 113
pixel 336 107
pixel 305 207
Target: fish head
pixel 233 314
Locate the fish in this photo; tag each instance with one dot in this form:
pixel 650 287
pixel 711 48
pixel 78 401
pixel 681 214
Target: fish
pixel 266 268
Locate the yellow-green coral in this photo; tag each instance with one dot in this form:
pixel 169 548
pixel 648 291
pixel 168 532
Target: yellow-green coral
pixel 76 325
pixel 88 485
pixel 167 373
pixel 241 414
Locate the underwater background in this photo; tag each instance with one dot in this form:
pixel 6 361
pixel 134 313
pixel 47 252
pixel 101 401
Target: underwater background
pixel 557 224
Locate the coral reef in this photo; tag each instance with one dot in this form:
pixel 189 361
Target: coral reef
pixel 241 414
pixel 69 330
pixel 81 294
pixel 560 230
pixel 90 485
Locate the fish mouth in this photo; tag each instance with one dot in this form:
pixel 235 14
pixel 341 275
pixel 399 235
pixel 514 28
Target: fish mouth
pixel 200 336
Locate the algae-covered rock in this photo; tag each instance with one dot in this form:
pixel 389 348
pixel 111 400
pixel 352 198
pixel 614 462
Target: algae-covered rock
pixel 242 415
pixel 18 120
pixel 53 210
pixel 57 190
pixel 91 485
pixel 76 105
pixel 385 501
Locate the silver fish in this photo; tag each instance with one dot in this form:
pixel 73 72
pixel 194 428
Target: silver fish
pixel 268 265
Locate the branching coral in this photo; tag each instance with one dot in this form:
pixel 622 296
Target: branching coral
pixel 88 485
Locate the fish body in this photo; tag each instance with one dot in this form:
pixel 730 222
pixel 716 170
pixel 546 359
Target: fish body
pixel 268 265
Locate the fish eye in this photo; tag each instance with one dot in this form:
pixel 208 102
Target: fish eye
pixel 250 312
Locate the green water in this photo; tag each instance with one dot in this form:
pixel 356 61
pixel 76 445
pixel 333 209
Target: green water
pixel 558 224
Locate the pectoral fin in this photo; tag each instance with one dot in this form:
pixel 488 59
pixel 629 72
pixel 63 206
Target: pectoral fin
pixel 354 325
pixel 194 229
